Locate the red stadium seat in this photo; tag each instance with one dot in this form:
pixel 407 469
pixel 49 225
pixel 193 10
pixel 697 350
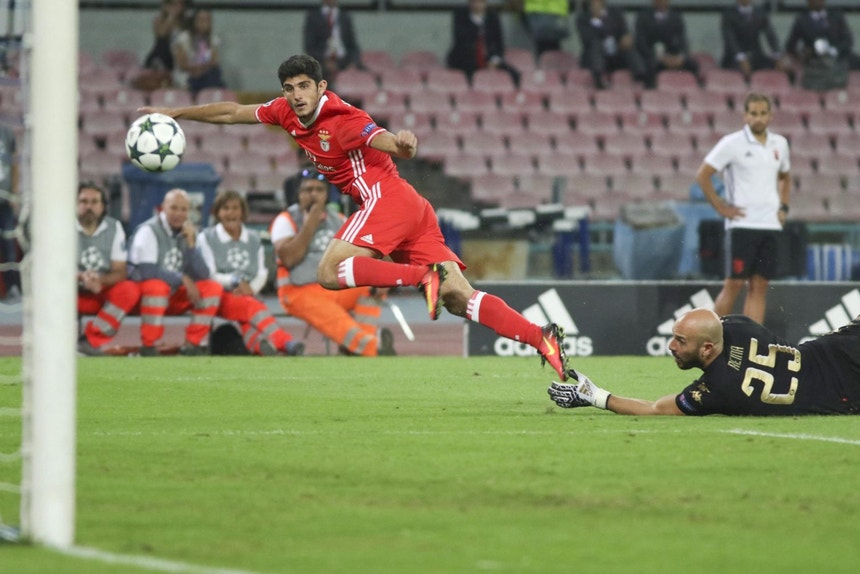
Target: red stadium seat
pixel 170 97
pixel 457 122
pixel 557 60
pixel 584 187
pixel 418 122
pixel 430 103
pixel 570 102
pixel 378 61
pixel 436 146
pixel 504 122
pixel 464 165
pixel 706 101
pixel 447 80
pixel 474 101
pixel 604 164
pixel 575 144
pixel 542 82
pixel 209 95
pixel 557 165
pixel 615 101
pixel 623 144
pixel 597 123
pixel 422 60
pixel 798 102
pixel 548 122
pixel 770 82
pixel 488 188
pixel 406 81
pixel 688 123
pixel 671 144
pixel 675 185
pixel 382 105
pixel 514 165
pixel 813 144
pixel 522 102
pixel 641 123
pixel 843 165
pixel 531 144
pixel 641 185
pixel 727 121
pixel 656 165
pixel 831 122
pixel 725 82
pixel 663 103
pixel 677 81
pixel 848 144
pixel 485 143
pixel 520 58
pixel 493 81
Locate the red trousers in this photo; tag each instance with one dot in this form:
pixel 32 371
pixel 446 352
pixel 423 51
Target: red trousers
pixel 255 321
pixel 110 307
pixel 156 301
pixel 348 316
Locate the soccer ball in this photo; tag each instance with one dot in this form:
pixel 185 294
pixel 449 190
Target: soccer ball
pixel 155 142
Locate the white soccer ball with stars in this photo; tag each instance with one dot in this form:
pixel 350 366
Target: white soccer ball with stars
pixel 155 142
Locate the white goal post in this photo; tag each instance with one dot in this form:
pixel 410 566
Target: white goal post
pixel 50 307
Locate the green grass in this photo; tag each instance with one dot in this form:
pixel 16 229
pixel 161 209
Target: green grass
pixel 436 465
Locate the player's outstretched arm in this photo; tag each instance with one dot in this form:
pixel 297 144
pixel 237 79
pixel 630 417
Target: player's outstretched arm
pixel 580 391
pixel 403 144
pixel 214 113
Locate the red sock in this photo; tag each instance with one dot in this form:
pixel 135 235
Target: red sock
pixel 367 271
pixel 493 312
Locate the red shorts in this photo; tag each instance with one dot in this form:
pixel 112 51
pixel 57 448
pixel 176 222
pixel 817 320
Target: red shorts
pixel 399 222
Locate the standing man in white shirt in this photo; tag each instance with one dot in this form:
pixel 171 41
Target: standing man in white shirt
pixel 755 166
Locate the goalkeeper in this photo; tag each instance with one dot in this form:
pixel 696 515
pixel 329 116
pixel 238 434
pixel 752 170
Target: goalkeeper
pixel 746 370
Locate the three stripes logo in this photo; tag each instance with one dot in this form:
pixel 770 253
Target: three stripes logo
pixel 659 345
pixel 548 309
pixel 837 316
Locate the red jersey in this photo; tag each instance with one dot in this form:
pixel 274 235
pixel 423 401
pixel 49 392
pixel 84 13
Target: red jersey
pixel 337 140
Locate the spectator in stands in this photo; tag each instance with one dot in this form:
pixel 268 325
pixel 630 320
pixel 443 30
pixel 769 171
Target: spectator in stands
pixel 8 223
pixel 661 40
pixel 196 53
pixel 300 236
pixel 234 255
pixel 742 28
pixel 478 42
pixel 548 23
pixel 173 276
pixel 822 42
pixel 172 18
pixel 104 289
pixel 755 208
pixel 329 36
pixel 607 44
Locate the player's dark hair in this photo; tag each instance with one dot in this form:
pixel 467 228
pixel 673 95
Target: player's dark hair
pixel 225 196
pixel 298 65
pixel 756 97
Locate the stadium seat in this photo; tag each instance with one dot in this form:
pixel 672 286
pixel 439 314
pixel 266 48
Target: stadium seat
pixel 378 61
pixel 421 60
pixel 269 142
pixel 382 105
pixel 537 185
pixel 522 59
pixel 436 146
pixel 241 182
pixel 847 144
pixel 584 187
pixel 170 97
pixel 226 144
pixel 577 78
pixel 219 161
pixel 615 101
pixel 830 122
pixel 814 144
pixel 513 165
pixel 447 80
pixel 548 122
pixel 597 124
pixel 487 188
pixel 430 103
pixel 557 165
pixel 474 101
pixel 465 165
pixel 770 82
pixel 606 208
pixel 819 184
pixel 268 181
pixel 727 121
pixel 677 82
pixel 706 141
pixel 641 123
pixel 706 61
pixel 844 207
pixel 457 122
pixel 522 102
pixel 504 122
pixel 843 165
pixel 671 144
pixel 98 165
pixel 687 122
pixel 405 81
pixel 355 85
pixel 624 145
pixel 675 185
pixel 729 83
pixel 209 95
pixel 532 144
pixel 689 164
pixel 418 122
pixel 542 82
pixel 557 60
pixel 706 101
pixel 485 143
pixel 250 163
pixel 493 81
pixel 572 102
pixel 798 102
pixel 662 103
pixel 641 185
pixel 841 100
pixel 787 124
pixel 102 123
pixel 656 165
pixel 808 207
pixel 803 164
pixel 575 144
pixel 604 164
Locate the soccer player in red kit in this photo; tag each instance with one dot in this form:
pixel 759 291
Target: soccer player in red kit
pixel 393 219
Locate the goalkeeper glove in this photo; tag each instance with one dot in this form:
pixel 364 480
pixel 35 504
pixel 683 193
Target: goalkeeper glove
pixel 581 393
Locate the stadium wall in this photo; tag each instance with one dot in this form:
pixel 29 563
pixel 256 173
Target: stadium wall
pixel 256 41
pixel 636 318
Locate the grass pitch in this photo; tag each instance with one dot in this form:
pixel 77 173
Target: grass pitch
pixel 435 465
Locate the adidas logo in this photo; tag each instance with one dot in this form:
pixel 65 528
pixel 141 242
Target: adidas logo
pixel 548 309
pixel 367 238
pixel 659 346
pixel 837 316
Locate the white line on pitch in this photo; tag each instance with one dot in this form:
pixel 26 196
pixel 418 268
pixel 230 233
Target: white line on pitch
pixel 796 436
pixel 159 564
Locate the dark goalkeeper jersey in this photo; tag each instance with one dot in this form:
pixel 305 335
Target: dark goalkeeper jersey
pixel 760 374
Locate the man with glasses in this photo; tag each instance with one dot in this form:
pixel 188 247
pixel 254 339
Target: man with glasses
pixel 393 219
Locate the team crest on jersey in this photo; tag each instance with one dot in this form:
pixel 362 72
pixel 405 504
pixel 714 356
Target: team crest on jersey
pixel 325 145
